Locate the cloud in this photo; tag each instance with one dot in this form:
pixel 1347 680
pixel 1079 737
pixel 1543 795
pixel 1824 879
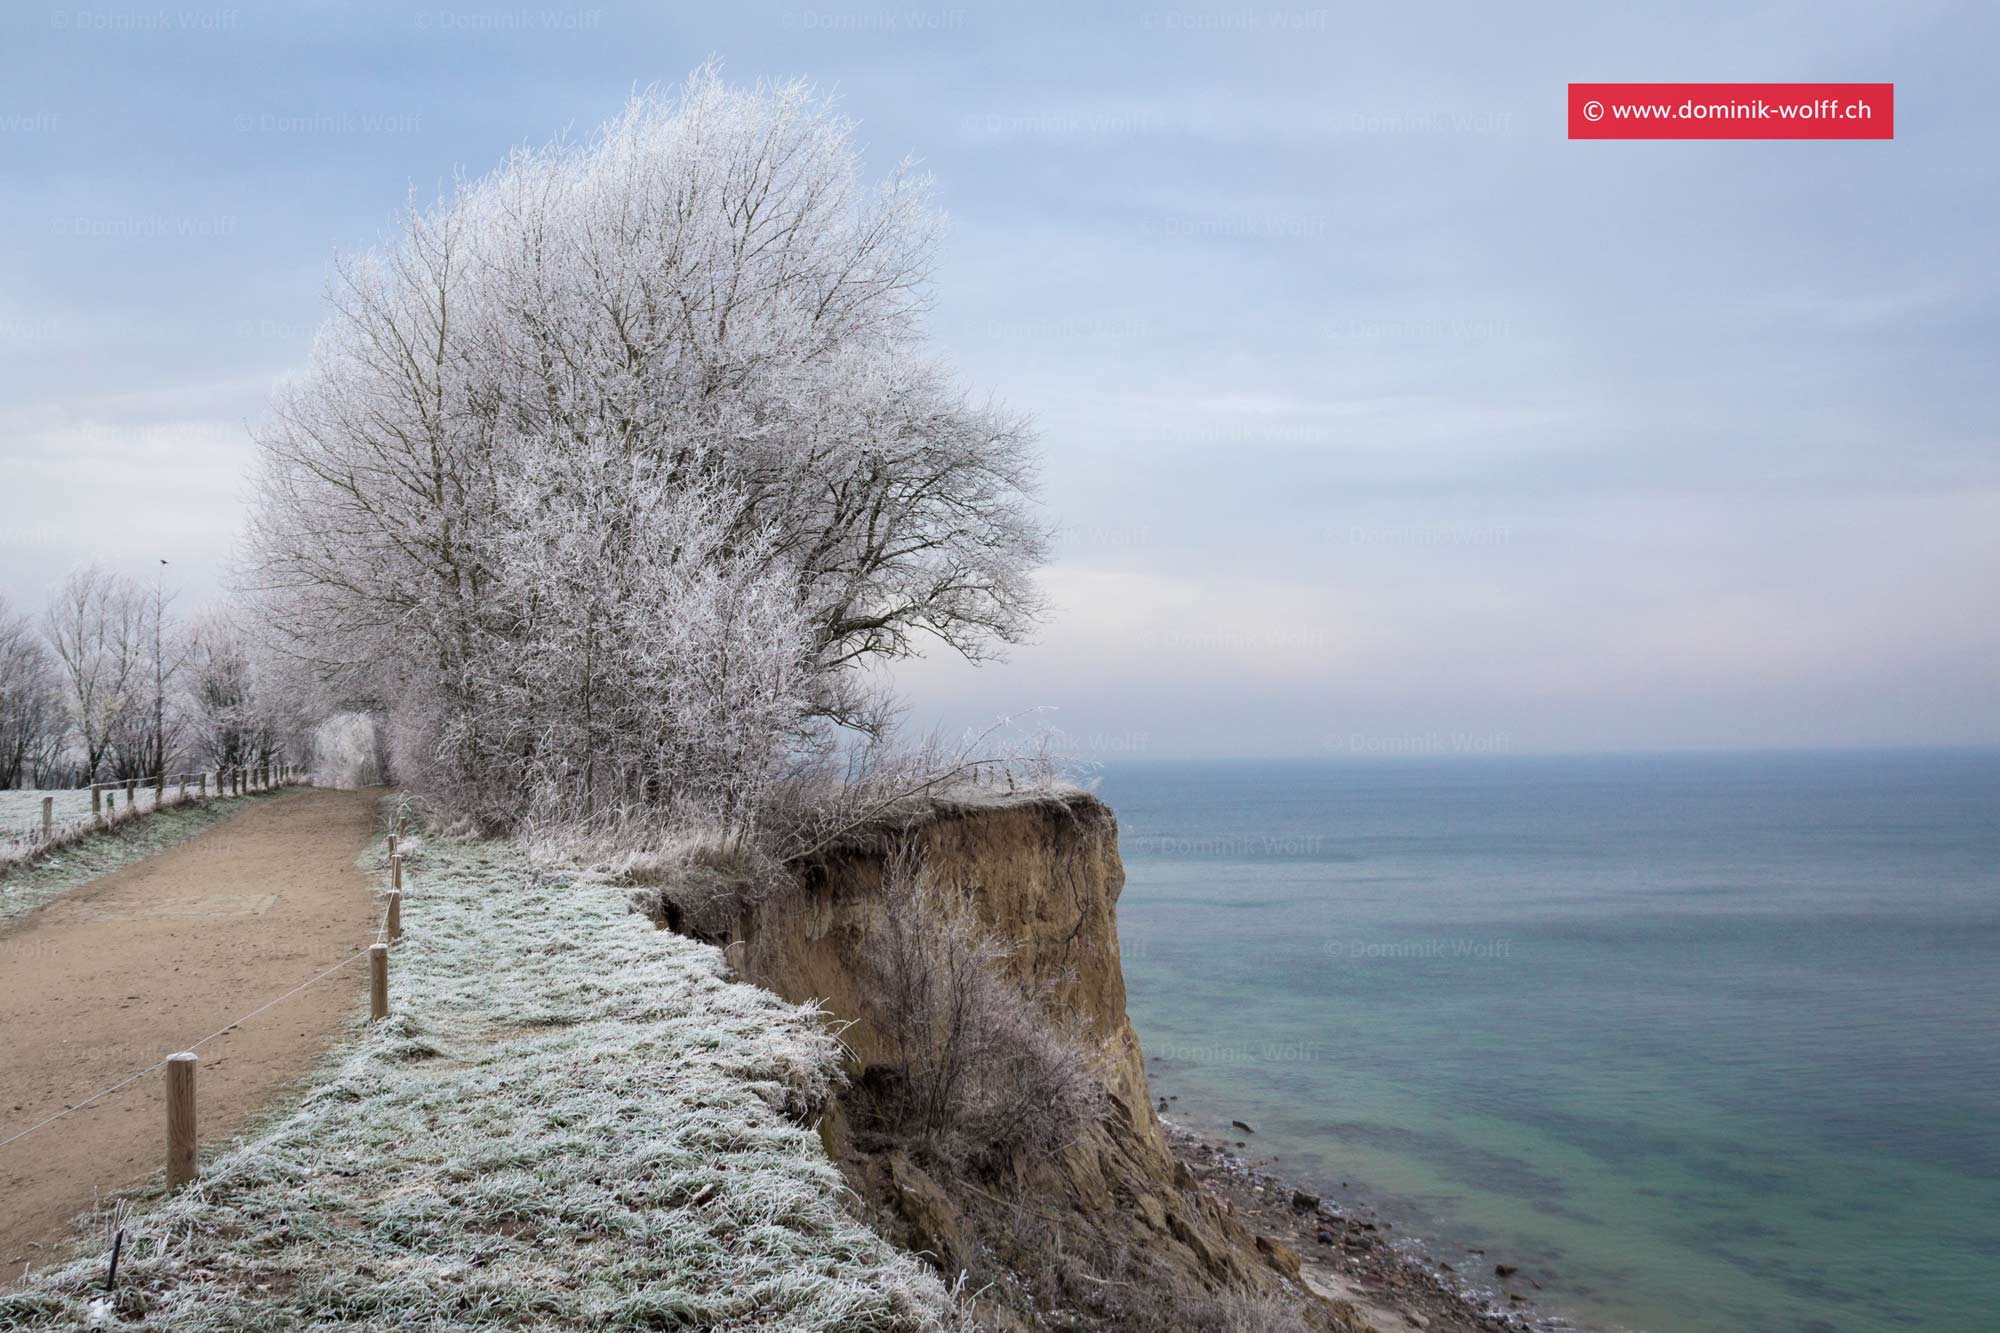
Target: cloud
pixel 1372 405
pixel 123 481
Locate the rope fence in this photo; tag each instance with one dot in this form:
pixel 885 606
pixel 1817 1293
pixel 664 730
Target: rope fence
pixel 181 1160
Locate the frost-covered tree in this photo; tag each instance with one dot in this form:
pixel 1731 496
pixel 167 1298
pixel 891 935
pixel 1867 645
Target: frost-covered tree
pixel 607 473
pixel 93 626
pixel 227 721
pixel 119 654
pixel 33 727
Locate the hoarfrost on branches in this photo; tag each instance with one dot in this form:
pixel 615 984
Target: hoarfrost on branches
pixel 607 473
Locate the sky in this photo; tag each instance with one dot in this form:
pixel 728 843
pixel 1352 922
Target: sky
pixel 1379 418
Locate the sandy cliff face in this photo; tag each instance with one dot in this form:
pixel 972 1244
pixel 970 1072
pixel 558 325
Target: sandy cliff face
pixel 1044 876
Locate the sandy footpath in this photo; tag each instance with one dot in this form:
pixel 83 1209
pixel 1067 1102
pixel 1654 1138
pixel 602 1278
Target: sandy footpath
pixel 146 960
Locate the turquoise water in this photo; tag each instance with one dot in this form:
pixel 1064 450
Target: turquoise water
pixel 1701 1042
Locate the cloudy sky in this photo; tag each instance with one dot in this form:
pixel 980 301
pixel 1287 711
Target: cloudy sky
pixel 1379 417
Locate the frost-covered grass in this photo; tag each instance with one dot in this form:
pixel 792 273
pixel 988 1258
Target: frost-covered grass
pixel 95 852
pixel 21 810
pixel 572 1121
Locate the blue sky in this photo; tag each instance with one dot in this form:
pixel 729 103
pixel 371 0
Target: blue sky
pixel 1379 417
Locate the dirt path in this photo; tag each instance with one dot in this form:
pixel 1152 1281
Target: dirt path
pixel 139 964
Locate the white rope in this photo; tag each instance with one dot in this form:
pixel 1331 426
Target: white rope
pixel 125 1082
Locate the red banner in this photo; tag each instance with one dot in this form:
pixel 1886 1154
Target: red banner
pixel 1732 111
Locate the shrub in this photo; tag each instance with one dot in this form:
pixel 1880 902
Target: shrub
pixel 984 1073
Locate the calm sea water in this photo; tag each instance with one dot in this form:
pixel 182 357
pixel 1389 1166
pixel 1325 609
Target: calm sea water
pixel 1701 1042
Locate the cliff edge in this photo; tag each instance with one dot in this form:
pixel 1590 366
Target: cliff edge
pixel 1109 1229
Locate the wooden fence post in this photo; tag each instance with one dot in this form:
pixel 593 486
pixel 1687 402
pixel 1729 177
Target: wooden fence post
pixel 395 916
pixel 378 982
pixel 97 800
pixel 48 816
pixel 182 1165
pixel 396 873
pixel 160 789
pixel 132 793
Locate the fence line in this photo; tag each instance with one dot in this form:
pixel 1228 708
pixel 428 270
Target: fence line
pixel 230 780
pixel 133 1078
pixel 388 931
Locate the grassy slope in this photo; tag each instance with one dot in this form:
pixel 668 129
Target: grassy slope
pixel 571 1122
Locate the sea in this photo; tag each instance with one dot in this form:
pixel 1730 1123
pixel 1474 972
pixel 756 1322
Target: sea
pixel 1698 1042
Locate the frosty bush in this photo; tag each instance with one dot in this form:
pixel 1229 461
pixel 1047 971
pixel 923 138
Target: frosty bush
pixel 605 474
pixel 982 1072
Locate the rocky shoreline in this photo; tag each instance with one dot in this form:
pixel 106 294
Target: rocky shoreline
pixel 1348 1254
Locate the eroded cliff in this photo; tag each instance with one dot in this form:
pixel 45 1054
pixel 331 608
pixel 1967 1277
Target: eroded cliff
pixel 1109 1231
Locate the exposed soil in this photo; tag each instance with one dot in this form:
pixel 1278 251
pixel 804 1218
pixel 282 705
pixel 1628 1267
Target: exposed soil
pixel 123 971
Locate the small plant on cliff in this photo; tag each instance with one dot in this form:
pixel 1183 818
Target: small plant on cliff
pixel 984 1074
